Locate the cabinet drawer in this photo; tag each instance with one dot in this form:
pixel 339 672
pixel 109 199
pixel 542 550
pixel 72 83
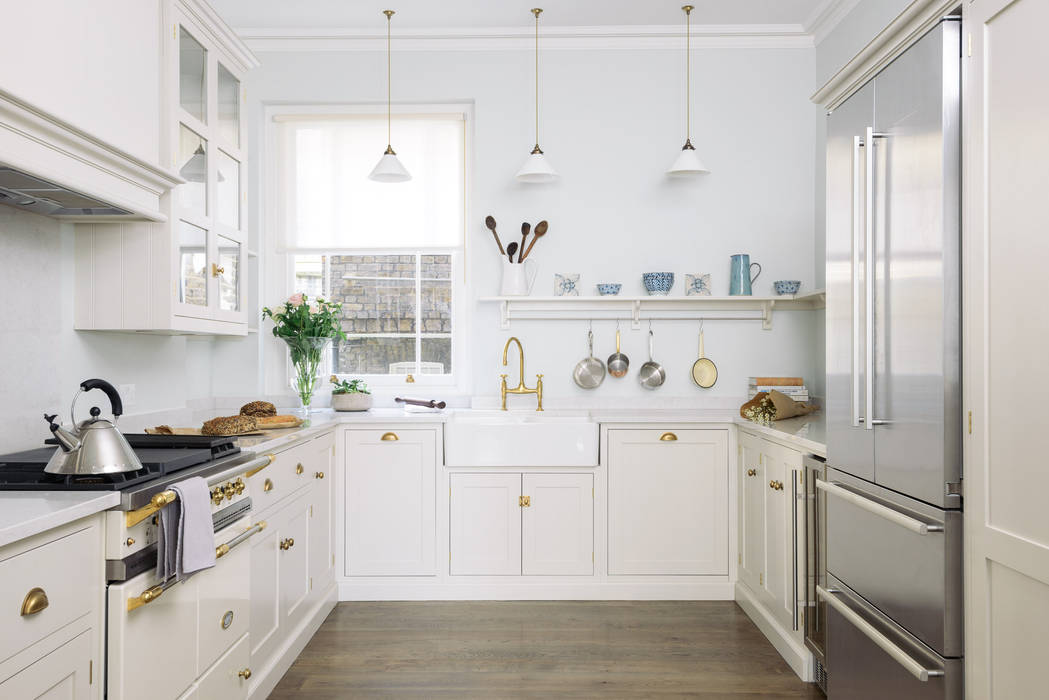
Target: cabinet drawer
pixel 289 472
pixel 228 678
pixel 50 568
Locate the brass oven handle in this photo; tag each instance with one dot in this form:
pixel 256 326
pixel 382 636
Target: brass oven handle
pixel 668 437
pixel 224 548
pixel 151 594
pixel 35 601
pixel 389 437
pixel 269 457
pixel 162 499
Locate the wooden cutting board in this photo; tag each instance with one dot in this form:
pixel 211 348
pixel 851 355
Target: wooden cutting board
pixel 274 423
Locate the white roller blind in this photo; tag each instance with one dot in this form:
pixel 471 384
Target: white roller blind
pixel 327 202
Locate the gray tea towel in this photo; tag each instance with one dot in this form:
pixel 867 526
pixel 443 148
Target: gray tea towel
pixel 186 534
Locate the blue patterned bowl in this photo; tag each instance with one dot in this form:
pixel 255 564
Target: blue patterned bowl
pixel 658 283
pixel 607 289
pixel 787 286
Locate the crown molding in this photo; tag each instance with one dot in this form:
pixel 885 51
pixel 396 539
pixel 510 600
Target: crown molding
pixel 826 16
pixel 741 36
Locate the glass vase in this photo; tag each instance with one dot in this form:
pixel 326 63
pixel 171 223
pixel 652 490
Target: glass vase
pixel 307 353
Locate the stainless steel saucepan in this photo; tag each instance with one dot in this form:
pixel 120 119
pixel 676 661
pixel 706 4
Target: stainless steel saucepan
pixel 651 375
pixel 618 363
pixel 590 371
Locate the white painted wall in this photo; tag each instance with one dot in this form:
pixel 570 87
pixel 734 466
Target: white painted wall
pixel 612 123
pixel 44 359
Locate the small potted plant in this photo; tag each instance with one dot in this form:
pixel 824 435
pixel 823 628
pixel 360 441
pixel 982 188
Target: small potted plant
pixel 350 395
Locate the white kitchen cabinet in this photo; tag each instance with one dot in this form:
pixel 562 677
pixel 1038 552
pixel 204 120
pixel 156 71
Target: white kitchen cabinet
pixel 512 524
pixel 751 512
pixel 228 678
pixel 67 672
pixel 485 524
pixel 668 502
pixel 772 527
pixel 187 274
pixel 557 525
pixel 390 497
pixel 322 510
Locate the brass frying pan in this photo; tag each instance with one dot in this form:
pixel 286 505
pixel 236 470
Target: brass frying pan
pixel 704 371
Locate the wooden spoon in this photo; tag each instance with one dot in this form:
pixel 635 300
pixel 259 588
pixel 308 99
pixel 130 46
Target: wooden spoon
pixel 540 231
pixel 525 228
pixel 489 221
pixel 511 249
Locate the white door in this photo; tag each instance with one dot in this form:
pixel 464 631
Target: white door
pixel 266 624
pixel 668 502
pixel 1005 334
pixel 294 559
pixel 67 673
pixel 322 522
pixel 391 498
pixel 485 513
pixel 557 524
pixel 752 512
pixel 781 530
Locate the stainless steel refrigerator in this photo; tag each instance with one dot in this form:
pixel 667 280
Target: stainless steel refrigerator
pixel 892 592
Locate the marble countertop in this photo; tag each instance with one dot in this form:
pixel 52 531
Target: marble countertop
pixel 808 433
pixel 27 513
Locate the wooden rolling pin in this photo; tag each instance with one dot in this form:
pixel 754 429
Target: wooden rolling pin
pixel 432 403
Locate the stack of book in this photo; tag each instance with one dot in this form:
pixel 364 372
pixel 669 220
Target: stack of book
pixel 794 387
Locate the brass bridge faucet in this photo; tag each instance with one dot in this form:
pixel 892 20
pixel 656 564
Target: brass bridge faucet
pixel 521 388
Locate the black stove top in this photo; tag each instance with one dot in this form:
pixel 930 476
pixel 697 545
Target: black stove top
pixel 161 455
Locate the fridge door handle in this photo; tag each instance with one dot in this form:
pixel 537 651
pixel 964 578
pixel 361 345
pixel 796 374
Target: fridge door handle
pixel 914 667
pixel 868 279
pixel 905 521
pixel 857 144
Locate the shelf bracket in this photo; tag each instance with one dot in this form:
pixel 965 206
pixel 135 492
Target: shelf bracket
pixel 766 314
pixel 635 321
pixel 504 315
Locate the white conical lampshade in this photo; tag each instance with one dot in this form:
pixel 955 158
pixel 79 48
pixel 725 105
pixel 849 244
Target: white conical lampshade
pixel 536 169
pixel 687 163
pixel 196 168
pixel 389 169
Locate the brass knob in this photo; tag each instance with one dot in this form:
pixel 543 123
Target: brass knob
pixel 409 379
pixel 244 673
pixel 267 485
pixel 216 270
pixel 752 472
pixel 239 486
pixel 524 501
pixel 217 495
pixel 668 437
pixel 287 544
pixel 35 601
pixel 389 437
pixel 776 485
pixel 318 475
pixel 299 468
pixel 129 541
pixel 230 490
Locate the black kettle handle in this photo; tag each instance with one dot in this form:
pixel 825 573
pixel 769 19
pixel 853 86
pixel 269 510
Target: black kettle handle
pixel 110 391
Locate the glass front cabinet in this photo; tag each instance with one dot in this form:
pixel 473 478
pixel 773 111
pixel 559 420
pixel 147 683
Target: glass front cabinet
pixel 188 274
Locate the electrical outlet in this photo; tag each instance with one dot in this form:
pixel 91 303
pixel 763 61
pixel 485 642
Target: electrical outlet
pixel 127 394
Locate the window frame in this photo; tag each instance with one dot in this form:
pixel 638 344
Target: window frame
pixel 279 264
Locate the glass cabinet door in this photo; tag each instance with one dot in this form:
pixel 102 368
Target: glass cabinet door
pixel 193 72
pixel 228 191
pixel 228 273
pixel 192 264
pixel 229 106
pixel 193 167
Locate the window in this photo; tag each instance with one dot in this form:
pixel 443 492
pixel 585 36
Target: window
pixel 387 252
pixel 396 310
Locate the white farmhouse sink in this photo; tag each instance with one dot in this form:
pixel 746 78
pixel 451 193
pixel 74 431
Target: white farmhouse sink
pixel 520 439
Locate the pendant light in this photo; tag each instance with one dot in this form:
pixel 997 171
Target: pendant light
pixel 536 169
pixel 687 162
pixel 389 168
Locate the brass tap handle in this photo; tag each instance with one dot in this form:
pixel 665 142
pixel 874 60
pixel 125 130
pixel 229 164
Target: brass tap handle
pixel 539 392
pixel 35 601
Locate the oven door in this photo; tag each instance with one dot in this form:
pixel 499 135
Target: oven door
pixel 873 658
pixel 159 644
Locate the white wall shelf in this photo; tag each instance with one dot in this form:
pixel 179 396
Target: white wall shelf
pixel 654 308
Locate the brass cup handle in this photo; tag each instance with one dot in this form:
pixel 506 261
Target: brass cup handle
pixel 244 673
pixel 389 437
pixel 752 472
pixel 318 475
pixel 35 601
pixel 667 437
pixel 299 468
pixel 267 485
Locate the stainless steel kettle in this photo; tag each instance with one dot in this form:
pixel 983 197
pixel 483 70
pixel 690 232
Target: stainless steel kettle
pixel 95 446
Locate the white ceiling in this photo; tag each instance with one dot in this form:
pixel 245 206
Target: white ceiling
pixel 431 14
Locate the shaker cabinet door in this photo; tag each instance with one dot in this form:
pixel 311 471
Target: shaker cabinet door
pixel 485 515
pixel 557 525
pixel 753 484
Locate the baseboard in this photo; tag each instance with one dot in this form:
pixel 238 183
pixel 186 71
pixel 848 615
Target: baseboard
pixel 795 653
pixel 690 590
pixel 267 678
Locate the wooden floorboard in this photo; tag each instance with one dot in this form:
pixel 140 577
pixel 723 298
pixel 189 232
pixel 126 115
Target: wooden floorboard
pixel 628 649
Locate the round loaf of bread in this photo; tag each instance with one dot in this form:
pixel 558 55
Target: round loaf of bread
pixel 258 408
pixel 229 425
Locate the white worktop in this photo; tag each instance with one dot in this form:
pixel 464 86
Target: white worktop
pixel 26 513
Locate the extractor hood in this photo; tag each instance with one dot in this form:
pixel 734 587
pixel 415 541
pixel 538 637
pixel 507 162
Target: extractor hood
pixel 29 193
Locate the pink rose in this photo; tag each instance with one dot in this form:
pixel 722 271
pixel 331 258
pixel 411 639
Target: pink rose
pixel 295 299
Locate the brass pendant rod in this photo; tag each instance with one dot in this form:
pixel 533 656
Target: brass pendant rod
pixel 688 73
pixel 536 11
pixel 389 80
